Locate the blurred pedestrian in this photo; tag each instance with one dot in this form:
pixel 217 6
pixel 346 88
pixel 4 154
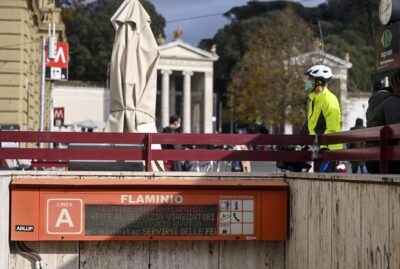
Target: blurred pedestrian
pixel 241 166
pixel 173 127
pixel 358 165
pixel 383 109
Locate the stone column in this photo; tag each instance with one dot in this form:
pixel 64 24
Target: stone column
pixel 172 96
pixel 165 97
pixel 208 102
pixel 186 119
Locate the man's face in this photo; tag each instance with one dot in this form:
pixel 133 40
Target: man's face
pixel 177 124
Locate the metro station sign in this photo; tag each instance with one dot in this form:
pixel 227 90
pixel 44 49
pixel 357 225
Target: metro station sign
pixel 253 211
pixel 64 216
pixel 58 118
pixel 57 69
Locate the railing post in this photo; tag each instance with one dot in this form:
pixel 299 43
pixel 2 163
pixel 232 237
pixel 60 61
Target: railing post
pixel 315 156
pixel 148 152
pixel 317 165
pixel 385 134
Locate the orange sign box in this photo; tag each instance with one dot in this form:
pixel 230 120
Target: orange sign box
pixel 156 214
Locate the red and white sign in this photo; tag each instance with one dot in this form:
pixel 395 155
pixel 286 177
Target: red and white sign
pixel 64 216
pixel 58 117
pixel 61 59
pixel 57 69
pixel 58 113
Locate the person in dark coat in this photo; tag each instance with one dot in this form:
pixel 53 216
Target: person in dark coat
pixel 383 109
pixel 358 165
pixel 174 125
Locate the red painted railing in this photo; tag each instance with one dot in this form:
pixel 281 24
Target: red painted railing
pixel 383 153
pixel 137 146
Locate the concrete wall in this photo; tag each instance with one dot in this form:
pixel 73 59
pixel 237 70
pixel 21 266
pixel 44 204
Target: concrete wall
pixel 4 216
pixel 336 221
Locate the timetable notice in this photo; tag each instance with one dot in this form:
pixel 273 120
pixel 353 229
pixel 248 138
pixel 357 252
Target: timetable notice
pixel 151 220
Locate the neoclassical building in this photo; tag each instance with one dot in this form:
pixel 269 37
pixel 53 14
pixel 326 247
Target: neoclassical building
pixel 185 86
pixel 22 24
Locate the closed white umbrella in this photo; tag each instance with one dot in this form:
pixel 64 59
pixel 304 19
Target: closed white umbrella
pixel 133 72
pixel 92 124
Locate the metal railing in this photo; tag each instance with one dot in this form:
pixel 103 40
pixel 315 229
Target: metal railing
pixel 209 146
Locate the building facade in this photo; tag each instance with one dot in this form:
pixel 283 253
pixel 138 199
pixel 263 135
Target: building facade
pixel 22 24
pixel 185 86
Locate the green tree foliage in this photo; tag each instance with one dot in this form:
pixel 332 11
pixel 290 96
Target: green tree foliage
pixel 233 38
pixel 266 84
pixel 231 45
pixel 351 29
pixel 347 26
pixel 358 15
pixel 91 36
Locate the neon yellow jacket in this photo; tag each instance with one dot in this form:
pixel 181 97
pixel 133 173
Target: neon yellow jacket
pixel 324 116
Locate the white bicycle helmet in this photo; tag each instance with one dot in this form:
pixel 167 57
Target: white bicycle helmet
pixel 320 72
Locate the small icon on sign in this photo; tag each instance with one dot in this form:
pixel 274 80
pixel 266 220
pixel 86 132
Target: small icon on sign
pixel 236 217
pixel 236 205
pixel 223 217
pixel 224 229
pixel 224 204
pixel 56 73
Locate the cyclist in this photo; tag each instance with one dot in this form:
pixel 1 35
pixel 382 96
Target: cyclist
pixel 324 114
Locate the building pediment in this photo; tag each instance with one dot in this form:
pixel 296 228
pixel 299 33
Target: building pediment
pixel 181 50
pixel 321 57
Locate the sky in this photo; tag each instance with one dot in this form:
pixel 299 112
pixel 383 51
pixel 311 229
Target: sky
pixel 196 29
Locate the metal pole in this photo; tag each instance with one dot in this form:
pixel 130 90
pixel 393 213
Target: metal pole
pixel 320 35
pixel 220 115
pixel 43 85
